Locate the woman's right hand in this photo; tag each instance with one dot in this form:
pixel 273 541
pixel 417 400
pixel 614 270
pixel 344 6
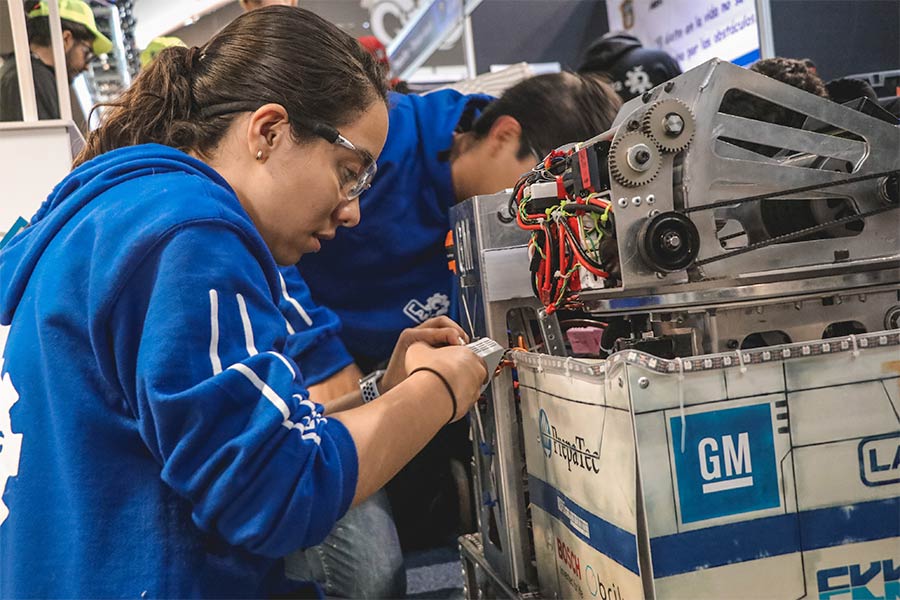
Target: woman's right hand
pixel 464 370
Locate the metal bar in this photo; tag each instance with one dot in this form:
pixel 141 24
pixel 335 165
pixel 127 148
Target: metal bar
pixel 469 46
pixel 59 63
pixel 470 549
pixel 553 338
pixel 792 191
pixel 798 140
pixel 764 25
pixel 23 60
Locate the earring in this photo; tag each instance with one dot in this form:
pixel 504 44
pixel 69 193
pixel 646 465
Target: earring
pixel 259 155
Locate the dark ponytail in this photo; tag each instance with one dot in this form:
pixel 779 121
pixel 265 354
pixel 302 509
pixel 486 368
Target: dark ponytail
pixel 279 54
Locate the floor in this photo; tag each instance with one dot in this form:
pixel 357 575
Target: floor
pixel 434 573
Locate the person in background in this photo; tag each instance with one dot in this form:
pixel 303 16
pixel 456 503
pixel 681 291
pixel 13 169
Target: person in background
pixel 630 67
pixel 157 45
pixel 793 72
pixel 81 42
pixel 790 71
pixel 847 89
pixel 374 47
pixel 161 441
pixel 392 271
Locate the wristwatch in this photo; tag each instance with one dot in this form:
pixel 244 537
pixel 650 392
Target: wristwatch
pixel 368 385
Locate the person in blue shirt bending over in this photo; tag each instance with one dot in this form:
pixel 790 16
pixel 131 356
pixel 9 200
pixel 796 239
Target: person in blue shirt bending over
pixel 158 440
pixel 391 272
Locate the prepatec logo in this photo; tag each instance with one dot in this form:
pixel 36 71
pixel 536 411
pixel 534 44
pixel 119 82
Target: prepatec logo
pixel 576 452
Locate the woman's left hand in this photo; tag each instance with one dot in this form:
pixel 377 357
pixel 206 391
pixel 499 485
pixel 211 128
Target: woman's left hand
pixel 436 332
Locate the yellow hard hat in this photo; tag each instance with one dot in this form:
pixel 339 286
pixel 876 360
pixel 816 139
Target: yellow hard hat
pixel 156 46
pixel 77 12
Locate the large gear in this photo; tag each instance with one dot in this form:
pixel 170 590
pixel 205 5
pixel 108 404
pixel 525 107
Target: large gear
pixel 634 159
pixel 670 124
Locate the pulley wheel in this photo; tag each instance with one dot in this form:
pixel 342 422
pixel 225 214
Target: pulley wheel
pixel 669 242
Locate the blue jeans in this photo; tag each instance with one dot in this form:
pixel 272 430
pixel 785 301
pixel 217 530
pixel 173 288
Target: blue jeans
pixel 360 558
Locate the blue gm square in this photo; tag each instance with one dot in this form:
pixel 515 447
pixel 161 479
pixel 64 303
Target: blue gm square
pixel 728 466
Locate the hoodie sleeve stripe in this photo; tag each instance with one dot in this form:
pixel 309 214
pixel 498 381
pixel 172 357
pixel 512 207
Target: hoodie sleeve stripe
pixel 214 335
pixel 248 328
pixel 267 392
pixel 303 314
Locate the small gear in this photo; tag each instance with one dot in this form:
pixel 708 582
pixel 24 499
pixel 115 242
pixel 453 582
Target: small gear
pixel 634 159
pixel 669 123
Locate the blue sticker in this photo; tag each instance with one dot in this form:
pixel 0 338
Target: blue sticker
pixel 728 465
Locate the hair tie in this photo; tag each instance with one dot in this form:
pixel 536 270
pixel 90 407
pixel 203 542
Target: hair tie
pixel 194 56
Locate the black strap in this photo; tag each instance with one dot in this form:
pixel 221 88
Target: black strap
pixel 446 385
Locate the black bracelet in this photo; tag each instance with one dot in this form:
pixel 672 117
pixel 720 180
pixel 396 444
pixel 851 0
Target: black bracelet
pixel 446 385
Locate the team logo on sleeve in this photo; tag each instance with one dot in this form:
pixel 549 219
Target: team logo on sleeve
pixel 10 443
pixel 437 305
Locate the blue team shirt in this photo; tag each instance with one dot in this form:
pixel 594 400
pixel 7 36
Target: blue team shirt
pixel 390 272
pixel 157 437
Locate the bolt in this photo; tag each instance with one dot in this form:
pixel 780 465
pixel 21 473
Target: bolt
pixel 632 125
pixel 644 383
pixel 669 86
pixel 673 124
pixel 660 275
pixel 653 212
pixel 636 200
pixel 651 198
pixel 639 157
pixel 646 97
pixel 623 202
pixel 671 240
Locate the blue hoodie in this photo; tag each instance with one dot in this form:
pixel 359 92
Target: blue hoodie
pixel 158 441
pixel 390 272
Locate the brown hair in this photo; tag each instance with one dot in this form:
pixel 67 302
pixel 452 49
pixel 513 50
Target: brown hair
pixel 277 54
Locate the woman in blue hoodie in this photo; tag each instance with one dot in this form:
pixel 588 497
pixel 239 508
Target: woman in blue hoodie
pixel 157 440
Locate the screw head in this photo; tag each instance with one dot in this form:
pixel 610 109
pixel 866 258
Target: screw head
pixel 672 240
pixel 651 198
pixel 636 200
pixel 673 124
pixel 623 202
pixel 639 157
pixel 643 383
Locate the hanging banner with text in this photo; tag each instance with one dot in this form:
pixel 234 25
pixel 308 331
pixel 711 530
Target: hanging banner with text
pixel 692 31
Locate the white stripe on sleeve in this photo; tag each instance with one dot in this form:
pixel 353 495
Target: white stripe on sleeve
pixel 214 332
pixel 294 302
pixel 248 328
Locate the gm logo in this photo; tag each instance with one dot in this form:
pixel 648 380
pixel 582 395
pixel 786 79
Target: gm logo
pixel 880 579
pixel 546 435
pixel 879 459
pixel 728 465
